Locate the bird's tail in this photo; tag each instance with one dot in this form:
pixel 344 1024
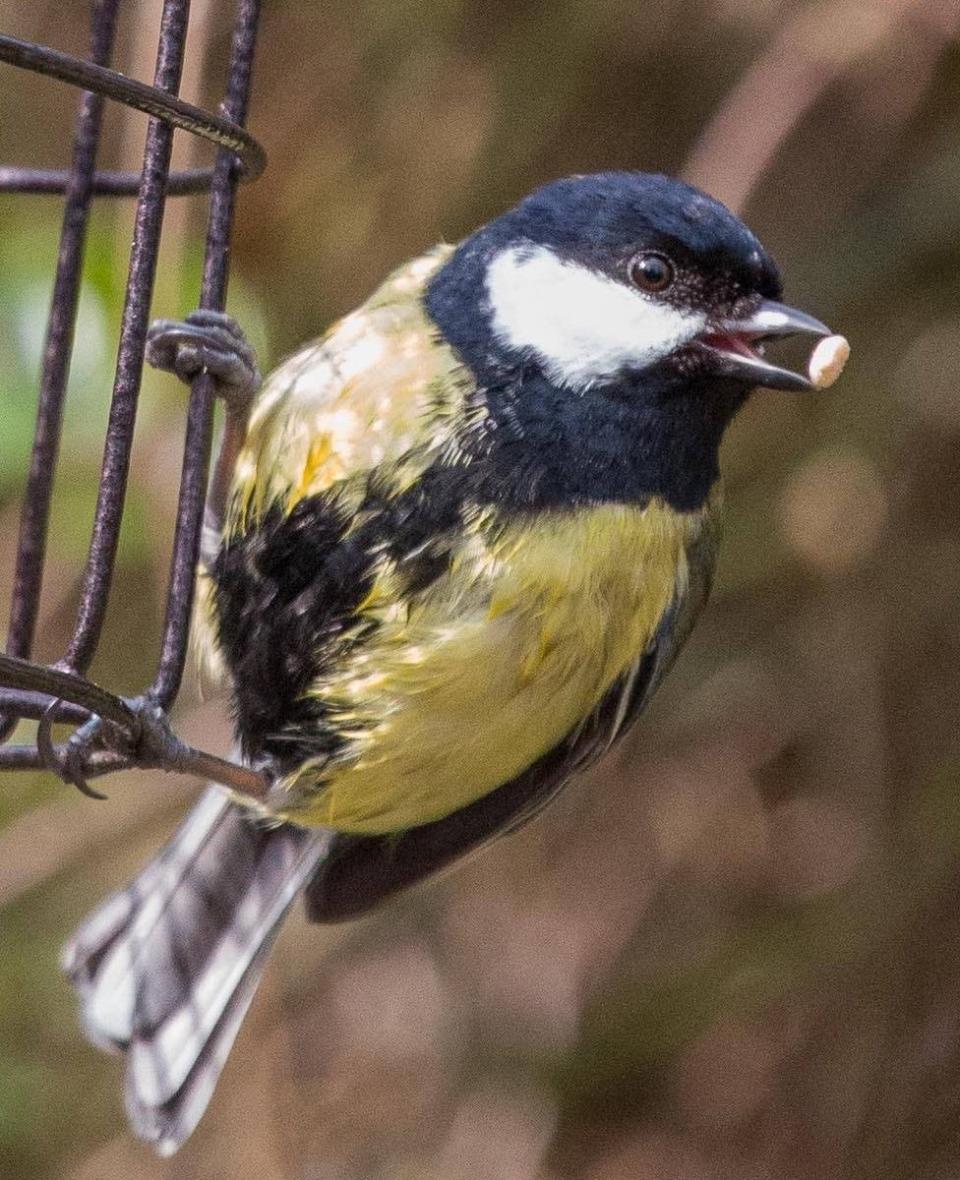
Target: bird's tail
pixel 167 967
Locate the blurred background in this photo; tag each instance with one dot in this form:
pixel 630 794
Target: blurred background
pixel 732 951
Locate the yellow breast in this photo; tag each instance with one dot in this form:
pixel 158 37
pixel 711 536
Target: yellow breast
pixel 506 654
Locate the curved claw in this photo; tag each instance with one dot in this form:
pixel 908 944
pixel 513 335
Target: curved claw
pixel 72 766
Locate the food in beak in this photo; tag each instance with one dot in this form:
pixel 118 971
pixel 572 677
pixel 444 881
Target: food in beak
pixel 827 361
pixel 737 348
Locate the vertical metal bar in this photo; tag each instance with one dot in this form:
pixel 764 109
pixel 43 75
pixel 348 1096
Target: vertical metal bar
pixel 58 346
pixel 126 388
pixel 196 461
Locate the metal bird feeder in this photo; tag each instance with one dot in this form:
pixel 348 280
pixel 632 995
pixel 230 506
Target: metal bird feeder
pixel 60 692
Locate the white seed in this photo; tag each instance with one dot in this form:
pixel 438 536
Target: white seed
pixel 827 361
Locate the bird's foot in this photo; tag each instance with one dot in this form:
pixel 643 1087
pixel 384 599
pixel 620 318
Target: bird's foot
pixel 146 740
pixel 212 342
pixel 102 744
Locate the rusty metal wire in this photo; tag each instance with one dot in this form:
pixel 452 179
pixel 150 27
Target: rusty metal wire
pixel 115 733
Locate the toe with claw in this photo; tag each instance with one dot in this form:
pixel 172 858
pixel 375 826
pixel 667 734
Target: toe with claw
pixel 207 341
pixel 212 342
pixel 149 742
pixel 93 741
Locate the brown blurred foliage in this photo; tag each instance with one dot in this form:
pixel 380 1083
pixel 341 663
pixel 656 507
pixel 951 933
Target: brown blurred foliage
pixel 735 950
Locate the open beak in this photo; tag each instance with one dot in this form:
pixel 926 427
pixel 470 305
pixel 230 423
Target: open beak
pixel 736 345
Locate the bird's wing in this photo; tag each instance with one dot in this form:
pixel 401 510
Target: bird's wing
pixel 354 401
pixel 360 398
pixel 360 872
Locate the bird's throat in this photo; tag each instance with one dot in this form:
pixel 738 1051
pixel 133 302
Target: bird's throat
pixel 544 447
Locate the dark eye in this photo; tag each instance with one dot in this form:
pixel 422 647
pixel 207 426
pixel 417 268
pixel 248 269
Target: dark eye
pixel 651 272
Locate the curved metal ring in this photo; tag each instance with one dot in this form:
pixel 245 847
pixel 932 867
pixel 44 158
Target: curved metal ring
pixel 65 685
pixel 132 93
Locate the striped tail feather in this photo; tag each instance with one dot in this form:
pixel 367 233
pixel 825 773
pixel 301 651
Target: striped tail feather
pixel 166 968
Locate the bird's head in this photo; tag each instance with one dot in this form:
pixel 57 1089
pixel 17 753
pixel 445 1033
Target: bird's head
pixel 600 280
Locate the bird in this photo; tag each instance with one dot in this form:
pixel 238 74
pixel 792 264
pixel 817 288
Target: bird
pixel 457 543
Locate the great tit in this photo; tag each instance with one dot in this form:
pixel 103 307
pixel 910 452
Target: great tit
pixel 467 532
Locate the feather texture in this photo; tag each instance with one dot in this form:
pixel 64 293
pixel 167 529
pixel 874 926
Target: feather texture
pixel 166 967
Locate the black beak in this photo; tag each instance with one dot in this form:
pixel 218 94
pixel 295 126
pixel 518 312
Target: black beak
pixel 736 345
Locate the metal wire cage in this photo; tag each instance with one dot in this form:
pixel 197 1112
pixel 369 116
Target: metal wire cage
pixel 61 692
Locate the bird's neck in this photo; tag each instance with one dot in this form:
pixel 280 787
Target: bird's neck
pixel 541 446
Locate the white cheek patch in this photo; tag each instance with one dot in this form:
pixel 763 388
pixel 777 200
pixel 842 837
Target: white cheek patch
pixel 581 325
